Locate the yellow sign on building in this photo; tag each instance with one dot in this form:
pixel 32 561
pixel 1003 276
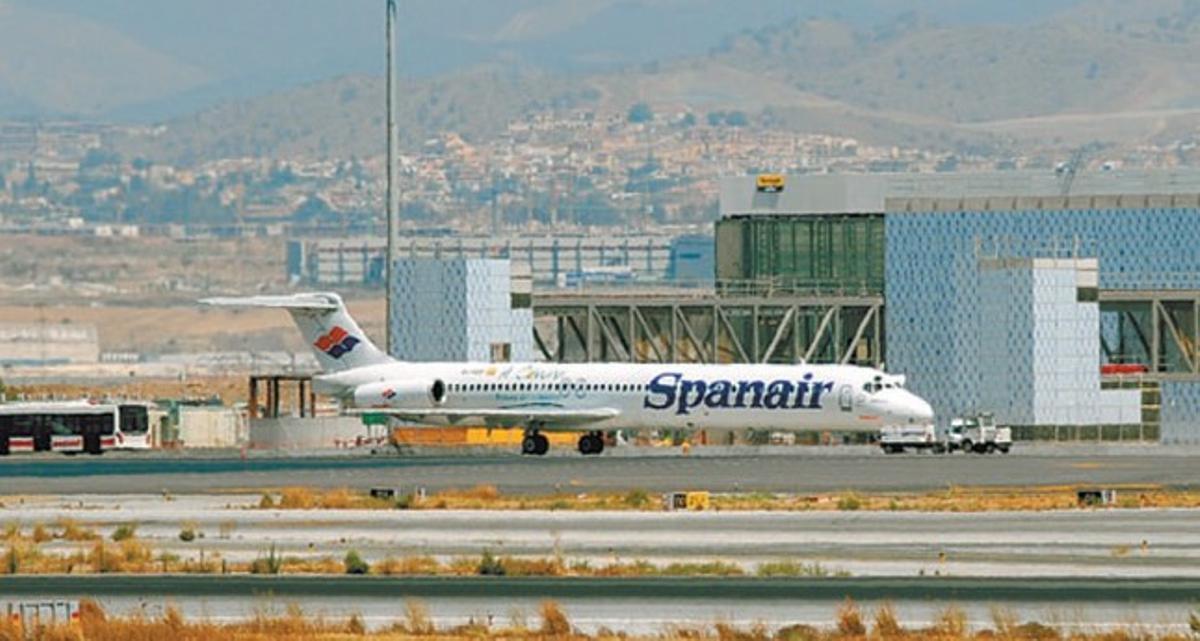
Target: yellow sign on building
pixel 770 183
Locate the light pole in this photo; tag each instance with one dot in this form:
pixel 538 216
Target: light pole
pixel 393 195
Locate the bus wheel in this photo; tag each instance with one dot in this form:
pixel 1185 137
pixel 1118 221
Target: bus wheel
pixel 4 445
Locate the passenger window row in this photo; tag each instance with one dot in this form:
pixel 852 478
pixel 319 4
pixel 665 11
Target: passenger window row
pixel 546 387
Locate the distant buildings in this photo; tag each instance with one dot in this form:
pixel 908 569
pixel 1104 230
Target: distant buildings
pixel 48 344
pixel 551 260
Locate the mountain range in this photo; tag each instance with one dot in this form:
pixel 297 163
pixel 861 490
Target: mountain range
pixel 956 74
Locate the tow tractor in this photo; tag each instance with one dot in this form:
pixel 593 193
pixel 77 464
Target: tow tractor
pixel 894 439
pixel 979 434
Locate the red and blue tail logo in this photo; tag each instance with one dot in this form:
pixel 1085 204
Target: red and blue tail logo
pixel 337 343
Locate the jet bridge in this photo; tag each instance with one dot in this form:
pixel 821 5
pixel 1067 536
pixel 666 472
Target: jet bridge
pixel 1158 330
pixel 700 326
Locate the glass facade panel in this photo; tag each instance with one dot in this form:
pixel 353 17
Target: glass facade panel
pixel 949 323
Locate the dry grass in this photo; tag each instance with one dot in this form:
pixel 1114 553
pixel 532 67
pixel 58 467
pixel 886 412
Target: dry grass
pixel 796 568
pixel 953 499
pixel 302 498
pixel 407 566
pixel 70 530
pixel 293 623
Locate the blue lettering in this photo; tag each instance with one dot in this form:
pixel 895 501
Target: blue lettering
pixel 686 400
pixel 670 390
pixel 818 390
pixel 664 385
pixel 777 395
pixel 802 390
pixel 718 394
pixel 752 386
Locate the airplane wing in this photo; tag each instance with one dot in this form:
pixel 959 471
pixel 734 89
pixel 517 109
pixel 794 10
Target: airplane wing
pixel 550 417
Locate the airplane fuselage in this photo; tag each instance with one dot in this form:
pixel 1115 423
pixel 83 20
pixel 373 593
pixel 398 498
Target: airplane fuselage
pixel 652 396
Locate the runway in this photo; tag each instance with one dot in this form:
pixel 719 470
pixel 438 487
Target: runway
pixel 635 606
pixel 804 470
pixel 732 588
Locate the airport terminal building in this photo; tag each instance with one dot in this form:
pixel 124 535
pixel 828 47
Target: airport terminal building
pixel 1068 306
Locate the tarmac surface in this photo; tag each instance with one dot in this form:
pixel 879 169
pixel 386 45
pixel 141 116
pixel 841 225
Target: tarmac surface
pixel 722 469
pixel 636 606
pixel 1098 543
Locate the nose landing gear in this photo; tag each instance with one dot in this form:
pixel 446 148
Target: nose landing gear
pixel 591 443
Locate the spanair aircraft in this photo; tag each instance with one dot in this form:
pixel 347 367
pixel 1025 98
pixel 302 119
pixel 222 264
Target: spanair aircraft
pixel 589 398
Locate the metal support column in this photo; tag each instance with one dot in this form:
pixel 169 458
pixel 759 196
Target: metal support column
pixel 393 195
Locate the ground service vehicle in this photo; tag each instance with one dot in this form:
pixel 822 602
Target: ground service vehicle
pixel 979 434
pixel 72 427
pixel 894 439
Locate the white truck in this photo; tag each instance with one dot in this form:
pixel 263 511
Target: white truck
pixel 978 434
pixel 894 439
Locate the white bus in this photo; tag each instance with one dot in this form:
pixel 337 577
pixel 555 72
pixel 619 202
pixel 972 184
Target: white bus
pixel 72 427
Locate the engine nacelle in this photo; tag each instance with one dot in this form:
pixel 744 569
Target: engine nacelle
pixel 408 394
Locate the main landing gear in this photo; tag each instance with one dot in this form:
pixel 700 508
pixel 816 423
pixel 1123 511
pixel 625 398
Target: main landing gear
pixel 591 443
pixel 534 443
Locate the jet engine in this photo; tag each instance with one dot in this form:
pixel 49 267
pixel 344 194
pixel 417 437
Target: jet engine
pixel 411 394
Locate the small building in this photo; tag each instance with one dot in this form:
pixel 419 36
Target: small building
pixel 207 426
pixel 693 261
pixel 460 309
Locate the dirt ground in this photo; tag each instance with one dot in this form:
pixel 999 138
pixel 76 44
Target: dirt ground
pixel 188 327
pixel 141 293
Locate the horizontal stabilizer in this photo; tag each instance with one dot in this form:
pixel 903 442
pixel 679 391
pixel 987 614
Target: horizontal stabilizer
pixel 295 301
pixel 338 343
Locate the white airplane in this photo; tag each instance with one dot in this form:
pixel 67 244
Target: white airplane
pixel 590 398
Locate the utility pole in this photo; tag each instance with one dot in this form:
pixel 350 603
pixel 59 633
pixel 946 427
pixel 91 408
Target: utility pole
pixel 393 195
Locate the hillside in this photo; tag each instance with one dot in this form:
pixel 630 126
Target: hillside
pixel 1096 71
pixel 343 117
pixel 969 73
pixel 54 64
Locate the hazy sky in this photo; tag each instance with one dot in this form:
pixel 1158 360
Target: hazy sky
pixel 324 37
pixel 244 48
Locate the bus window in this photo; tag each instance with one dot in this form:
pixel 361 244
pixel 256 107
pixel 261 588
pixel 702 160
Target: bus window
pixel 135 419
pixel 23 425
pixel 63 424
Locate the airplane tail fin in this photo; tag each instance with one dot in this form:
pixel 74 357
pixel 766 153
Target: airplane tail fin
pixel 338 342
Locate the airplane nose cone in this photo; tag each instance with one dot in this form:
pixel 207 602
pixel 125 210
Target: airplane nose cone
pixel 919 410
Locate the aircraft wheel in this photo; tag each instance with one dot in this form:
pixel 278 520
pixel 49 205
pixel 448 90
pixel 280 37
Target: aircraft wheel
pixel 529 444
pixel 591 443
pixel 543 445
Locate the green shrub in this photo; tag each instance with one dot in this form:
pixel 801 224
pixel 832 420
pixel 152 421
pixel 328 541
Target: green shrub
pixel 355 563
pixel 270 564
pixel 637 499
pixel 124 532
pixel 849 502
pixel 491 566
pixel 406 501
